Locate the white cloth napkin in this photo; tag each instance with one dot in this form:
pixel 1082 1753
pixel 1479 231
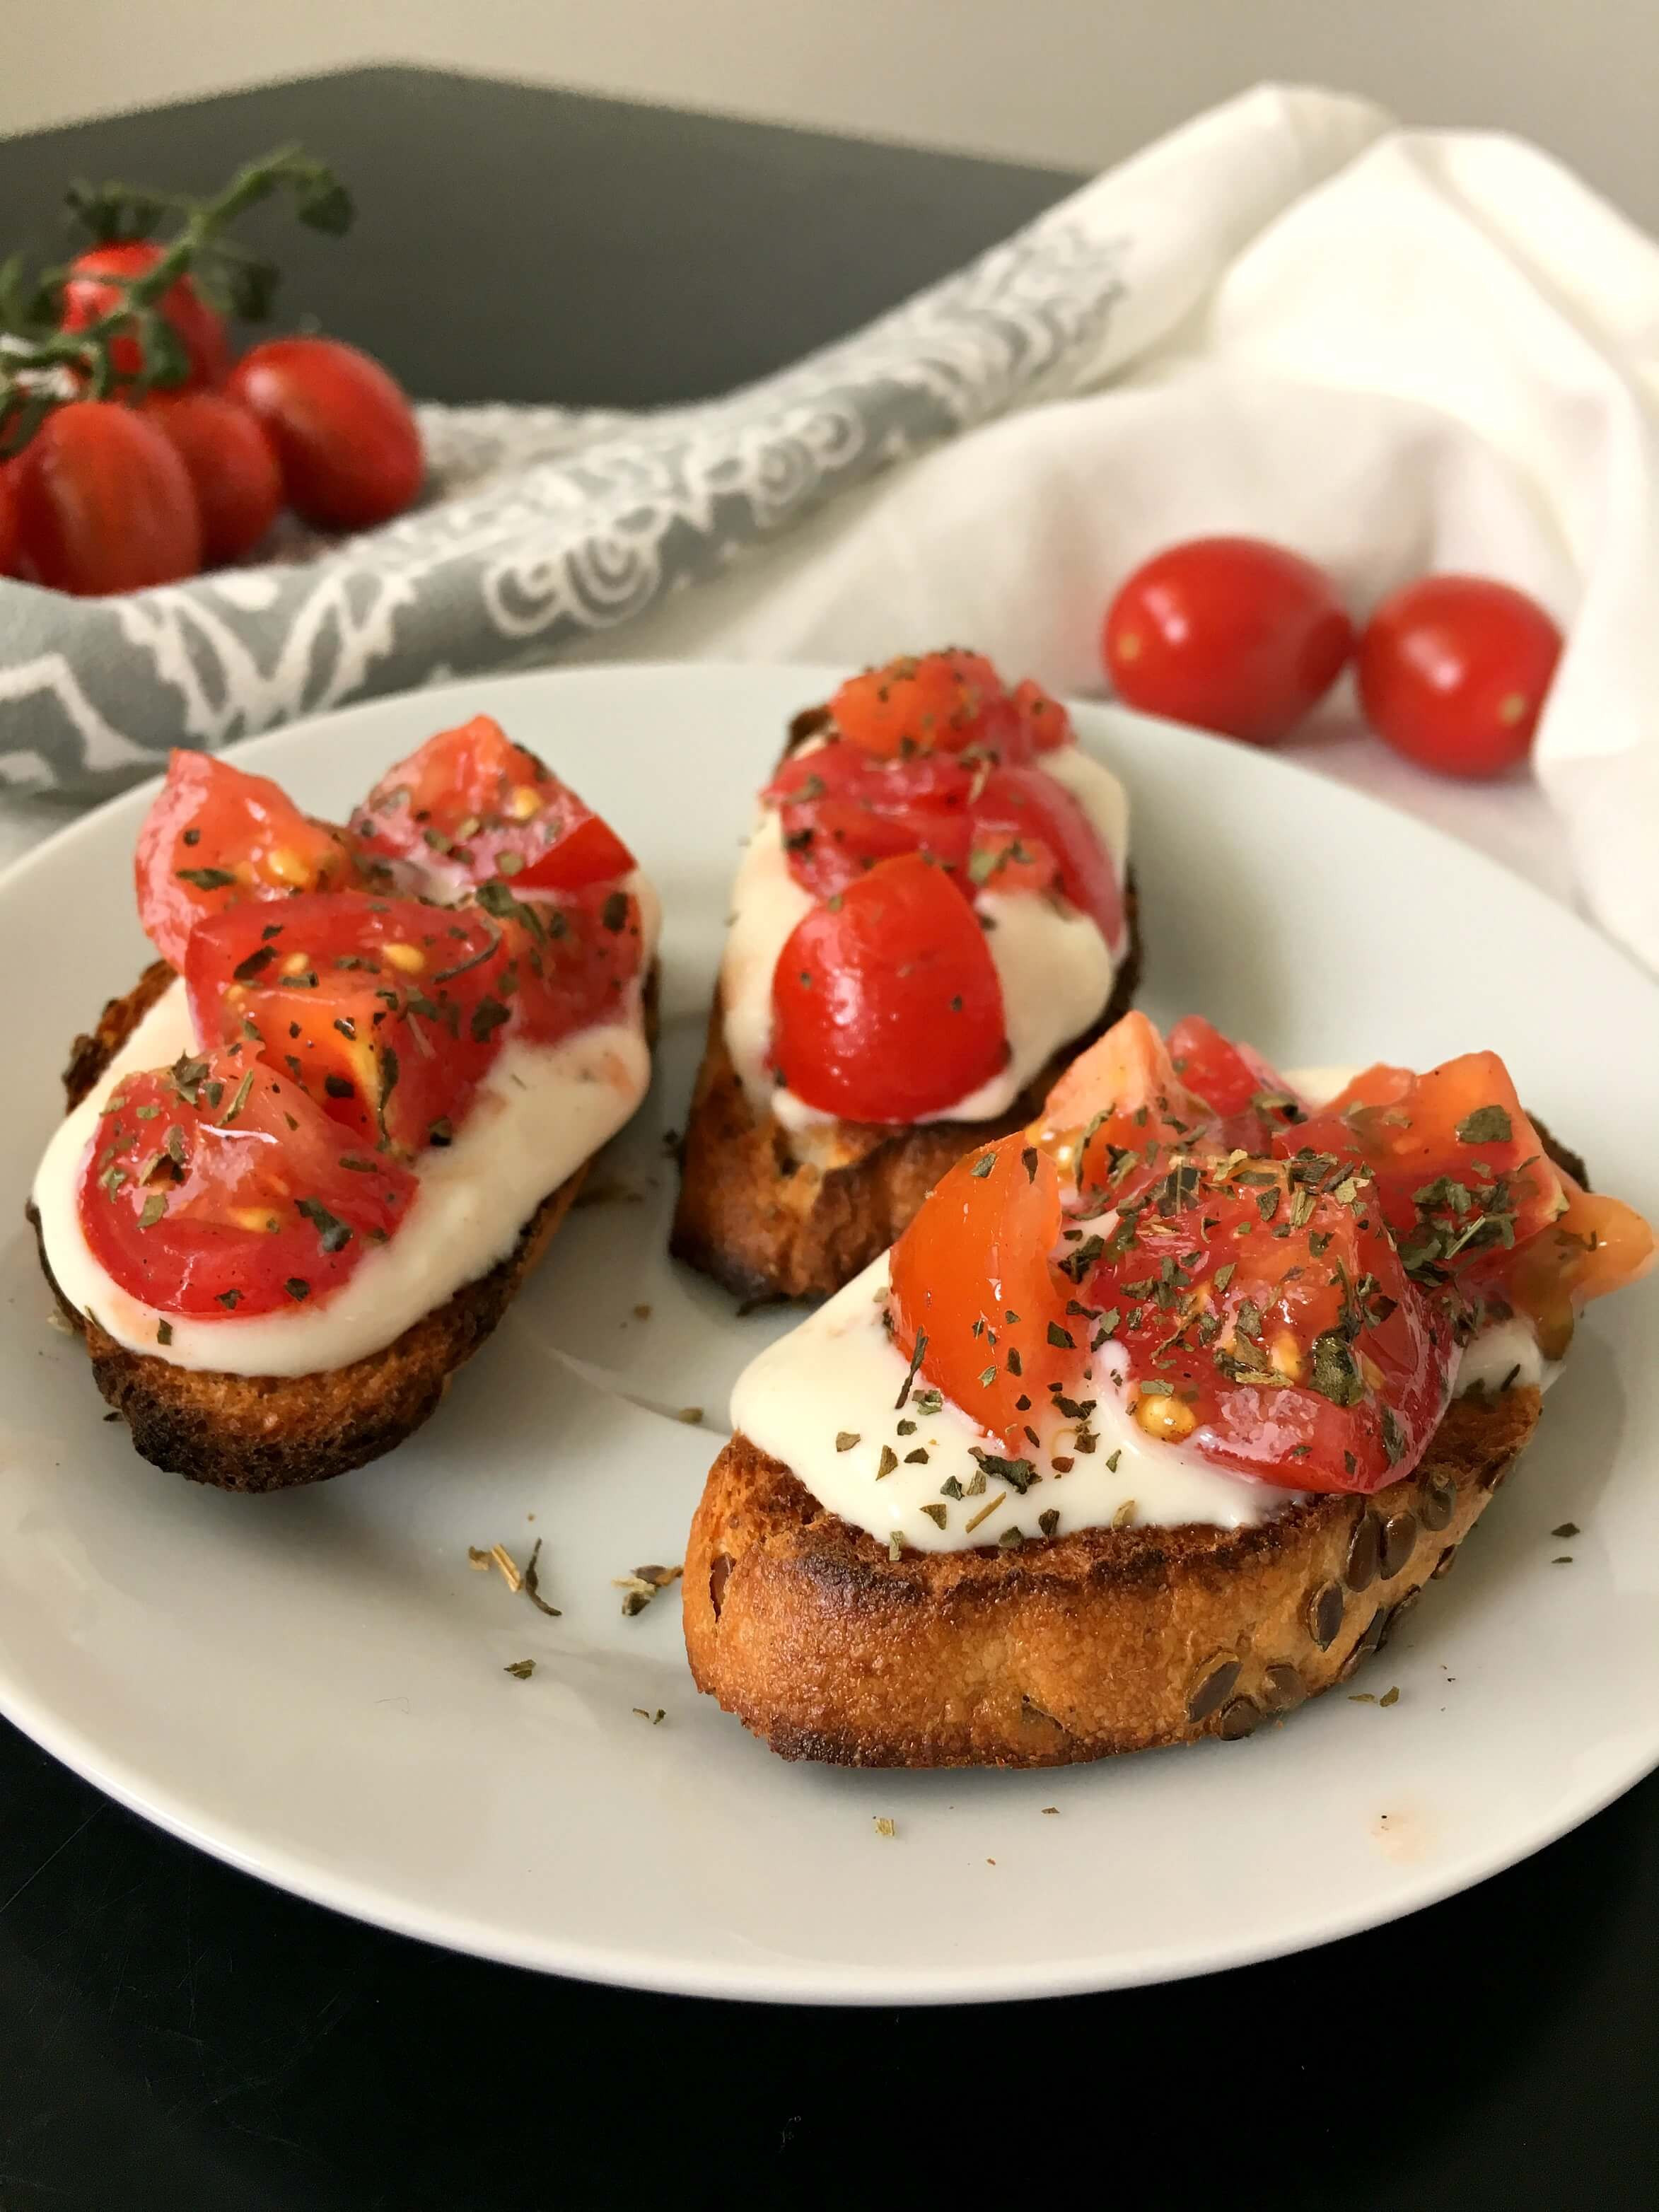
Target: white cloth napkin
pixel 1393 350
pixel 1397 351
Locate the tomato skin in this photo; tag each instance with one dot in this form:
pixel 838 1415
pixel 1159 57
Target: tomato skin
pixel 469 805
pixel 344 433
pixel 87 295
pixel 859 1035
pixel 213 819
pixel 242 1162
pixel 104 503
pixel 8 526
pixel 1228 633
pixel 975 1254
pixel 1454 672
pixel 232 468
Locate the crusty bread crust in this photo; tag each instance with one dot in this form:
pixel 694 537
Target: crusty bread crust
pixel 257 1432
pixel 766 1221
pixel 1107 1640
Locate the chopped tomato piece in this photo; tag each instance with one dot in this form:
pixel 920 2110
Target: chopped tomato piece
pixel 842 812
pixel 471 806
pixel 1230 1079
pixel 885 1001
pixel 934 702
pixel 974 1301
pixel 1597 1245
pixel 1459 1167
pixel 1117 1108
pixel 1005 859
pixel 386 1011
pixel 1267 1320
pixel 1045 721
pixel 1033 808
pixel 216 1187
pixel 216 836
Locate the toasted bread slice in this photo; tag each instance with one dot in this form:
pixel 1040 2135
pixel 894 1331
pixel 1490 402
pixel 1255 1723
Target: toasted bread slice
pixel 769 1215
pixel 255 1432
pixel 1106 1640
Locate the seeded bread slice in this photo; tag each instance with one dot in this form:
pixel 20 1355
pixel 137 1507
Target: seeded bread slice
pixel 257 1432
pixel 769 1215
pixel 1070 1649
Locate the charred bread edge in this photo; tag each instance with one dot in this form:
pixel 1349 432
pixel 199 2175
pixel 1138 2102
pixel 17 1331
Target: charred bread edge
pixel 259 1432
pixel 766 1225
pixel 1071 1648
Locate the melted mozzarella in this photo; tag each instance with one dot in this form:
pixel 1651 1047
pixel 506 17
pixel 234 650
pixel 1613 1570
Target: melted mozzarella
pixel 839 1375
pixel 540 1112
pixel 1053 965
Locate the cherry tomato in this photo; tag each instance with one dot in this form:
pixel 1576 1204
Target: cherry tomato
pixel 9 531
pixel 1267 1321
pixel 470 805
pixel 344 433
pixel 104 503
pixel 232 470
pixel 215 1187
pixel 1458 1166
pixel 89 295
pixel 885 1003
pixel 216 836
pixel 934 702
pixel 1229 634
pixel 971 1275
pixel 1454 672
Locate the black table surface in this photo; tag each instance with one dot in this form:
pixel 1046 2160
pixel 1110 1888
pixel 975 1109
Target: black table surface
pixel 175 2035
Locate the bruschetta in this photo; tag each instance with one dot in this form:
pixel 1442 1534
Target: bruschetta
pixel 933 915
pixel 1156 1417
pixel 311 1156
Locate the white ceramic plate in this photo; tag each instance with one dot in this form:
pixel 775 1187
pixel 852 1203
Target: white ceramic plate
pixel 312 1685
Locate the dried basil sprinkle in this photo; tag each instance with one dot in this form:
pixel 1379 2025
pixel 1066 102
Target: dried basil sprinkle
pixel 333 1232
pixel 207 879
pixel 1488 1125
pixel 887 1462
pixel 910 1374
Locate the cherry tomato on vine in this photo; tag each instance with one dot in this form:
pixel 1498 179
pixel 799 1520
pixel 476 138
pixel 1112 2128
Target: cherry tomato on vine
pixel 345 435
pixel 104 502
pixel 1454 672
pixel 231 467
pixel 89 295
pixel 1229 634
